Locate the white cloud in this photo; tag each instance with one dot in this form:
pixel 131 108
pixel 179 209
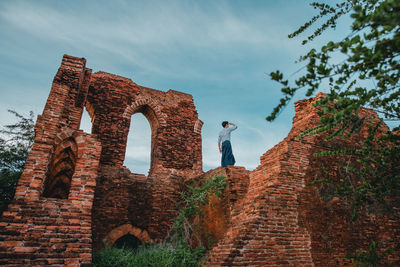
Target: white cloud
pixel 143 34
pixel 209 42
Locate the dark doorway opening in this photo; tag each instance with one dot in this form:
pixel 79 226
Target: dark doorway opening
pixel 127 241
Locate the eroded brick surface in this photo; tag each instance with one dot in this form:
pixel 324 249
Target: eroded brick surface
pixel 282 222
pixel 74 193
pixel 38 230
pixel 176 145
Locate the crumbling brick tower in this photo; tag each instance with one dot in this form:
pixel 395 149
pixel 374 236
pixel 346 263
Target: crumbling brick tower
pixel 74 193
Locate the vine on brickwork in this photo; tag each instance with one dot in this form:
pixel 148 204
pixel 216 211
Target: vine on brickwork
pixel 197 196
pixel 368 76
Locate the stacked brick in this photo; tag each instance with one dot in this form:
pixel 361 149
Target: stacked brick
pixel 217 215
pixel 122 197
pixel 74 193
pixel 334 234
pixel 37 230
pixel 264 229
pixel 282 222
pixel 147 203
pixel 176 146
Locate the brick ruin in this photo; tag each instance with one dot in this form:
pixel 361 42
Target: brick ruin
pixel 75 195
pixel 271 217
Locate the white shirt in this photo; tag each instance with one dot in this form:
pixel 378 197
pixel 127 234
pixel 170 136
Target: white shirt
pixel 225 134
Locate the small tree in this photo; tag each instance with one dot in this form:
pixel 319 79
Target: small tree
pixel 366 76
pixel 360 70
pixel 16 140
pixel 369 73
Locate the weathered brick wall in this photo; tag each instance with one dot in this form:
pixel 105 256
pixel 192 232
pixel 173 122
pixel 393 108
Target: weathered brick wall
pixel 282 222
pixel 125 198
pixel 217 215
pixel 74 187
pixel 74 193
pixel 333 233
pixel 37 230
pixel 143 202
pixel 176 136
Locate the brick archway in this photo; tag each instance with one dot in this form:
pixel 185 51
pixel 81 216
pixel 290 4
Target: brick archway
pixel 141 102
pixel 124 229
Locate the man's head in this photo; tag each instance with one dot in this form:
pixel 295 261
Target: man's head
pixel 225 124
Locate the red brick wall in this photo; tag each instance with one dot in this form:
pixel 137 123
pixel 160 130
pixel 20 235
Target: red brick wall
pixel 125 198
pixel 122 197
pixel 281 221
pixel 74 188
pixel 218 214
pixel 176 144
pixel 267 217
pixel 36 230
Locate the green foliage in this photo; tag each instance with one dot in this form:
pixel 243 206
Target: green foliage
pixel 150 255
pixel 360 70
pixel 371 258
pixel 8 183
pixel 16 141
pixel 197 196
pixel 375 177
pixel 368 76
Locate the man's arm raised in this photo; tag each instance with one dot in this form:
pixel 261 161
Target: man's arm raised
pixel 234 126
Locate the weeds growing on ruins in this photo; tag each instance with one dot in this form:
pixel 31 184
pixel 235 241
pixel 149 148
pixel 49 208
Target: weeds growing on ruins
pixel 15 143
pixel 178 249
pixel 371 257
pixel 197 196
pixel 161 254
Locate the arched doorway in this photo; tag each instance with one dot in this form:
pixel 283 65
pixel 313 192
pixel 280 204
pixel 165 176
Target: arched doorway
pixel 127 235
pixel 127 241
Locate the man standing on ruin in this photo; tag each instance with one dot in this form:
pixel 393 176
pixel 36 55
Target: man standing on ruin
pixel 225 138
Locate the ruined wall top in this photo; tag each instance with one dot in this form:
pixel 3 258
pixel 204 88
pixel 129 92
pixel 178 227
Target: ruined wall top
pixel 111 100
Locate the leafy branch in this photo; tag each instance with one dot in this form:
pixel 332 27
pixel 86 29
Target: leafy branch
pixel 16 141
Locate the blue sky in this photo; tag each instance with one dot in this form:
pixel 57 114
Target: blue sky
pixel 218 51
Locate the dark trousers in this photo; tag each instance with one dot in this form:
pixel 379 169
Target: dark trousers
pixel 227 155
